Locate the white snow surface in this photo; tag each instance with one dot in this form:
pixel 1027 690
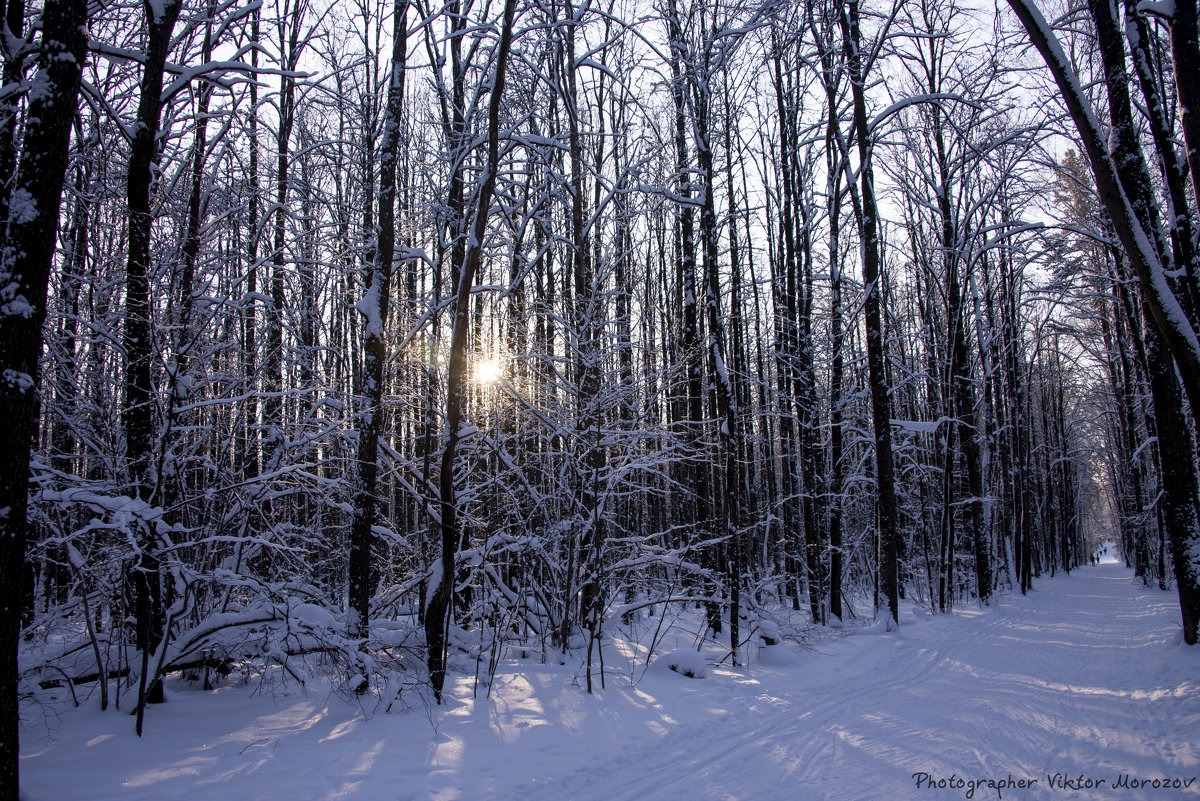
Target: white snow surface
pixel 691 664
pixel 1085 677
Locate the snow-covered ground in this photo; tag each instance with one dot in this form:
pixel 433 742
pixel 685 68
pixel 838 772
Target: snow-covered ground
pixel 1086 678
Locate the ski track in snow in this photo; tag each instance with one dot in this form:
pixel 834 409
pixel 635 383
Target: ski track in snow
pixel 1084 677
pixel 1066 680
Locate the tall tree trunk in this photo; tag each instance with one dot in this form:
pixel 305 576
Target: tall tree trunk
pixel 964 402
pixel 836 413
pixel 785 294
pixel 836 165
pixel 741 455
pixel 696 464
pixel 374 306
pixel 1178 468
pixel 274 416
pixel 1185 48
pixel 252 466
pixel 586 316
pixel 437 609
pixel 10 105
pixel 1180 221
pixel 184 277
pixel 728 430
pixel 25 262
pixel 889 577
pixel 138 344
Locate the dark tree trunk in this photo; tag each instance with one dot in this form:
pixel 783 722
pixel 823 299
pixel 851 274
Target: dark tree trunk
pixel 889 577
pixel 10 104
pixel 137 342
pixel 375 355
pixel 587 316
pixel 1180 221
pixel 696 465
pixel 252 445
pixel 785 294
pixel 1177 465
pixel 437 609
pixel 1177 470
pixel 1185 48
pixel 28 251
pixel 836 164
pixel 728 431
pixel 274 370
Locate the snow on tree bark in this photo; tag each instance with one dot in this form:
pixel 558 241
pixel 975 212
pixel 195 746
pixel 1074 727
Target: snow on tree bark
pixel 25 260
pixel 374 307
pixel 438 605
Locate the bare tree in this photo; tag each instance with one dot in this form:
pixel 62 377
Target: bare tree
pixel 25 262
pixel 375 308
pixel 859 61
pixel 441 593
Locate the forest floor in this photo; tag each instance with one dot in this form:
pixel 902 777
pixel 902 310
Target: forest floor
pixel 1085 677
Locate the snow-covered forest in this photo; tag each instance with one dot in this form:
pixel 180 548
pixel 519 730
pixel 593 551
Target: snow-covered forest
pixel 375 343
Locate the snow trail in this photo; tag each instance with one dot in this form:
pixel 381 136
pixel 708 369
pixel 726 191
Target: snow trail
pixel 1085 678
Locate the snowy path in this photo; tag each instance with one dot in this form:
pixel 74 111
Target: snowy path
pixel 1075 679
pixel 1083 677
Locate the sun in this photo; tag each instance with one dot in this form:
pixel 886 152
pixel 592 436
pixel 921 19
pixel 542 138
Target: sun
pixel 488 371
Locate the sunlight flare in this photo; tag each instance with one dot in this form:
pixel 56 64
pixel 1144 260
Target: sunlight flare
pixel 488 371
